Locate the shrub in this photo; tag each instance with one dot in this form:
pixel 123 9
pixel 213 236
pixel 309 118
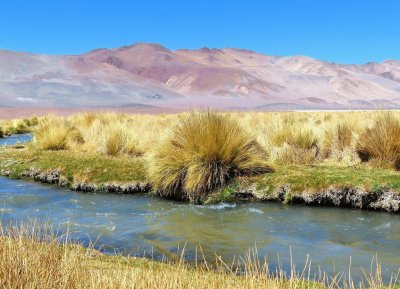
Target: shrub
pixel 204 152
pixel 381 141
pixel 1 132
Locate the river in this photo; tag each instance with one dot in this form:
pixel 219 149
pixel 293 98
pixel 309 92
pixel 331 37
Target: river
pixel 143 225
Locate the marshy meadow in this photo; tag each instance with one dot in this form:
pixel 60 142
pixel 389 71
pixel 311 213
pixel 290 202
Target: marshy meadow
pixel 349 160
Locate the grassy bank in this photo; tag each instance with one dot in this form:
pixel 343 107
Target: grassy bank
pixel 30 259
pixel 208 156
pixel 17 126
pixel 91 168
pixel 98 169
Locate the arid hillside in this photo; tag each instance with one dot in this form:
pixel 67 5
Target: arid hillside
pixel 152 75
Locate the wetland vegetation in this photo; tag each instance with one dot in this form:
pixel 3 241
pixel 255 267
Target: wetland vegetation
pixel 208 156
pixel 199 157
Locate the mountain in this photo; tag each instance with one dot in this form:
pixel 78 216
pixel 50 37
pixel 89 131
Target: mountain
pixel 151 75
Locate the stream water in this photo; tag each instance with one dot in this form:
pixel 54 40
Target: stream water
pixel 135 224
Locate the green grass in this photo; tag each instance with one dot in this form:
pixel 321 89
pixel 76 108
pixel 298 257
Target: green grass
pixel 102 169
pixel 89 167
pixel 308 178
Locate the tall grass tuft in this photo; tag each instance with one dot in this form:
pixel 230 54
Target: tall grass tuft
pixel 119 140
pixel 336 140
pixel 381 141
pixel 204 152
pixel 56 134
pixel 298 144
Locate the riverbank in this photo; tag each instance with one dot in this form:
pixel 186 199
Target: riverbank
pixel 360 186
pixel 35 258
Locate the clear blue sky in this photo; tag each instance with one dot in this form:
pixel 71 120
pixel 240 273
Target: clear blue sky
pixel 352 31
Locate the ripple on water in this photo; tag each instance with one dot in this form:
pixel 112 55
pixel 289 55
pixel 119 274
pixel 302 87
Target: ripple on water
pixel 221 206
pixel 384 226
pixel 257 211
pixel 106 214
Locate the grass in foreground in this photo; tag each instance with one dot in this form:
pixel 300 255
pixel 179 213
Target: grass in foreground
pixel 33 258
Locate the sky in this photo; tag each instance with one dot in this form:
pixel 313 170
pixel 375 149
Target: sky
pixel 352 31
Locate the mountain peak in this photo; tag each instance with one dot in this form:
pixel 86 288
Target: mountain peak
pixel 144 45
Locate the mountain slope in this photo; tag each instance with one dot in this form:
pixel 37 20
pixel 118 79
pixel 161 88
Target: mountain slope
pixel 151 74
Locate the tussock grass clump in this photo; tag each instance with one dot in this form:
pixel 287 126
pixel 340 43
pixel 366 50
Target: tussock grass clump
pixel 22 127
pixel 381 141
pixel 56 134
pixel 336 140
pixel 287 137
pixel 114 143
pixel 17 126
pixel 298 145
pixel 120 141
pixel 204 152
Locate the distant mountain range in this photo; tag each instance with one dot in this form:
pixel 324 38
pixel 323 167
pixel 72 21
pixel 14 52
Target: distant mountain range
pixel 150 75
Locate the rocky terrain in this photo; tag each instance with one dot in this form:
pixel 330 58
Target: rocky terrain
pixel 152 76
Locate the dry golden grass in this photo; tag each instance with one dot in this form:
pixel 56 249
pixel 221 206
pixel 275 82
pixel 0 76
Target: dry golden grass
pixel 204 152
pixel 56 134
pixel 337 139
pixel 17 126
pixel 182 151
pixel 381 141
pixel 32 257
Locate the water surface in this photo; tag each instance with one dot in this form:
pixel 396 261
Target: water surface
pixel 16 138
pixel 134 224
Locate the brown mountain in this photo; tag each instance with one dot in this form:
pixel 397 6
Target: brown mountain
pixel 150 74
